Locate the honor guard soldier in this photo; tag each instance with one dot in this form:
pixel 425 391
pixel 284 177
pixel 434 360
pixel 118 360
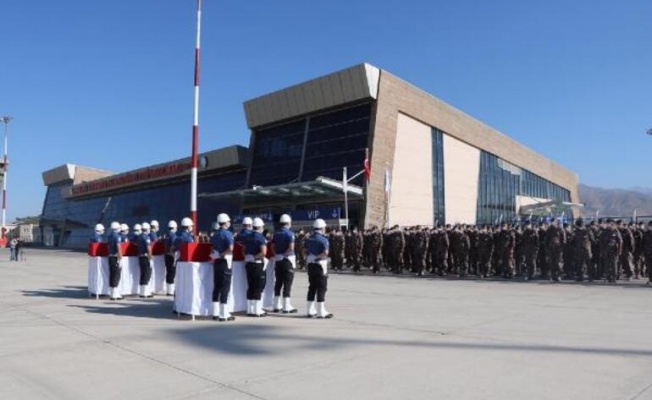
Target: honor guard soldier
pixel 133 237
pixel 317 259
pixel 144 243
pixel 185 236
pixel 286 262
pixel 170 261
pixel 255 248
pixel 115 255
pixel 154 233
pixel 222 255
pixel 241 238
pixel 124 233
pixel 98 235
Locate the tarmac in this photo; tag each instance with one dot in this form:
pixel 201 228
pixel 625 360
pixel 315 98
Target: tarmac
pixel 391 338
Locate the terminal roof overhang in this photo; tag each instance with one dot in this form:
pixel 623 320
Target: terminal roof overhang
pixel 547 207
pixel 318 191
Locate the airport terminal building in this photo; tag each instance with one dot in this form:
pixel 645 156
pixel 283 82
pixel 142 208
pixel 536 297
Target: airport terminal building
pixel 430 163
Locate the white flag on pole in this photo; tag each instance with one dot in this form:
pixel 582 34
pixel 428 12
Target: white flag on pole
pixel 387 183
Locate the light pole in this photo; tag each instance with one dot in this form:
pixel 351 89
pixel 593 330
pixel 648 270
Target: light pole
pixel 195 126
pixel 6 119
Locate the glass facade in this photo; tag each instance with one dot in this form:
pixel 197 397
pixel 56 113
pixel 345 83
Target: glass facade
pixel 332 141
pixel 439 204
pixel 499 184
pixel 162 203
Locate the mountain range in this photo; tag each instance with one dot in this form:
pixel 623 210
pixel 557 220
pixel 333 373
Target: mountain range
pixel 616 202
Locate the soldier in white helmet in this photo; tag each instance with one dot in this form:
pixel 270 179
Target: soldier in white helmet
pixel 247 229
pixel 124 233
pixel 154 233
pixel 222 255
pixel 98 235
pixel 255 248
pixel 170 262
pixel 114 240
pixel 138 230
pixel 285 264
pixel 144 243
pixel 317 257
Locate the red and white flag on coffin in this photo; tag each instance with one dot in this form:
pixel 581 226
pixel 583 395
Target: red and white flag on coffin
pixel 367 167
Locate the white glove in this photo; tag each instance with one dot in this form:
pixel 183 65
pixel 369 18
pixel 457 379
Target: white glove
pixel 229 261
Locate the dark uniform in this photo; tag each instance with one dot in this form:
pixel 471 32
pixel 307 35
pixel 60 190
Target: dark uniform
pixel 283 268
pixel 647 250
pixel 114 240
pixel 582 240
pixel 298 247
pixel 255 267
pixel 556 239
pixel 144 243
pixel 442 246
pixel 223 243
pixel 530 242
pixel 336 240
pixel 419 250
pixel 316 245
pixel 610 247
pixel 627 253
pixel 485 249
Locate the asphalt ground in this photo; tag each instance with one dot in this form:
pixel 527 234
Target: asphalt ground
pixel 391 338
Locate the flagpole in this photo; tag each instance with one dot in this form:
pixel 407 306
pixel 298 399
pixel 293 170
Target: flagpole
pixel 346 197
pixel 195 126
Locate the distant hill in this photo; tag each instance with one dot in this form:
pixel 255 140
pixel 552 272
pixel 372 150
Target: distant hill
pixel 615 202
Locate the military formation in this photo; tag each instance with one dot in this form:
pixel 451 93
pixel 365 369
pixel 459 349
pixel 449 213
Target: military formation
pixel 608 250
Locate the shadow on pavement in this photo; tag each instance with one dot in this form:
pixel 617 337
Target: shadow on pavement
pixel 64 292
pixel 264 340
pixel 156 308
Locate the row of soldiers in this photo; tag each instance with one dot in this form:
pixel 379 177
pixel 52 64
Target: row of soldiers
pixel 607 249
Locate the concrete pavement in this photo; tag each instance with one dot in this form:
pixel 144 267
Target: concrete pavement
pixel 391 338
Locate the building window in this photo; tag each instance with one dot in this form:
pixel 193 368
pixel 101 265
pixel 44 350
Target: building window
pixel 438 188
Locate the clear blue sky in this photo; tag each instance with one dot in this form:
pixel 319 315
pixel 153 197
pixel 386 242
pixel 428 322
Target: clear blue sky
pixel 108 84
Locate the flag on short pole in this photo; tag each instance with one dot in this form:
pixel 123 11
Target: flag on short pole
pixel 367 167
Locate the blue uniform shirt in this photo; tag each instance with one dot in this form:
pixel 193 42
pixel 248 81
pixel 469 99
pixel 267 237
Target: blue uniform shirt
pixel 282 241
pixel 242 236
pixel 316 244
pixel 97 238
pixel 124 238
pixel 133 237
pixel 153 236
pixel 143 242
pixel 222 240
pixel 253 243
pixel 183 237
pixel 170 239
pixel 114 239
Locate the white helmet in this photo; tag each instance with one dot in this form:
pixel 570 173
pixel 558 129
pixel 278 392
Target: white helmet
pixel 247 221
pixel 187 222
pixel 124 228
pixel 223 218
pixel 154 224
pixel 146 227
pixel 115 226
pixel 319 224
pixel 172 224
pixel 285 219
pixel 99 228
pixel 138 228
pixel 258 223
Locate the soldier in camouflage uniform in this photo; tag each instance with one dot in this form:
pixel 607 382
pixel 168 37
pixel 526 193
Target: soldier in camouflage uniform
pixel 611 243
pixel 638 232
pixel 375 251
pixel 530 244
pixel 627 254
pixel 543 259
pixel 356 249
pixel 395 249
pixel 461 246
pixel 555 242
pixel 485 248
pixel 336 251
pixel 507 244
pixel 407 250
pixel 582 239
pixel 569 253
pixel 441 245
pixel 647 251
pixel 472 232
pixel 299 243
pixel 419 250
pixel 594 270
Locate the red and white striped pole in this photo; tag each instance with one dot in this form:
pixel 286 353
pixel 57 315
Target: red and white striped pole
pixel 195 126
pixel 6 119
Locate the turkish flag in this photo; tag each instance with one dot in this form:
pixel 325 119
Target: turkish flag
pixel 367 166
